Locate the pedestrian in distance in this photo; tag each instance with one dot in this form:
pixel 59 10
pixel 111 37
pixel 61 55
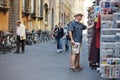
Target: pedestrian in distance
pixel 75 30
pixel 66 38
pixel 59 37
pixel 21 36
pixel 55 32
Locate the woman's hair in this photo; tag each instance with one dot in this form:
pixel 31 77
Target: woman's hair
pixel 56 25
pixel 59 23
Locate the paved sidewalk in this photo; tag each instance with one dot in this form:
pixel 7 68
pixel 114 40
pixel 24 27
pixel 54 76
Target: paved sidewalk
pixel 41 62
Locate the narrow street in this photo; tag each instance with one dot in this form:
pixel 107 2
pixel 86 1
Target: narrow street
pixel 41 62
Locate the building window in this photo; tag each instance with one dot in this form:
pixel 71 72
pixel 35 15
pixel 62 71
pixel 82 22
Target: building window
pixel 39 4
pixel 3 3
pixel 26 6
pixel 34 11
pixel 23 5
pixel 41 8
pixel 32 6
pixel 46 12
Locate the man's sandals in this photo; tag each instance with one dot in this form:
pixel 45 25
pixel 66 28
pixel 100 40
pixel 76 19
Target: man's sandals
pixel 78 68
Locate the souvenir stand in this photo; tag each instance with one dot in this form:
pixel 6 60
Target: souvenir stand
pixel 90 22
pixel 110 40
pixel 92 37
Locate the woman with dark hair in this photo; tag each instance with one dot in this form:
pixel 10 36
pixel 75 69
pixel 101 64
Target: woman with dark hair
pixel 59 37
pixel 55 32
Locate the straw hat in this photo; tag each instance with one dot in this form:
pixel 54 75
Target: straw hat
pixel 78 14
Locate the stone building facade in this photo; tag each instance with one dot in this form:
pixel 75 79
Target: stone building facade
pixel 35 14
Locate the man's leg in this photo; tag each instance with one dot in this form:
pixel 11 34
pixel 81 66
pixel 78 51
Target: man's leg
pixel 18 44
pixel 78 58
pixel 60 44
pixel 23 45
pixel 72 60
pixel 67 44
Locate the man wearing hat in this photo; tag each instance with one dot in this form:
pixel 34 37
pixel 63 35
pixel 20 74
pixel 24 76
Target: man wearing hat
pixel 75 30
pixel 21 36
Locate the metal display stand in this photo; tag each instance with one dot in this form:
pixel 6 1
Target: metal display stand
pixel 110 40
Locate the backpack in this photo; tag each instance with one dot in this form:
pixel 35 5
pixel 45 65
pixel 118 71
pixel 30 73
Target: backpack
pixel 55 33
pixel 68 36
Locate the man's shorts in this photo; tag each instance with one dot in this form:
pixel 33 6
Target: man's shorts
pixel 75 49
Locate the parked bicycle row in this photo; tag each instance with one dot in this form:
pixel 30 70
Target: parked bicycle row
pixel 8 40
pixel 36 37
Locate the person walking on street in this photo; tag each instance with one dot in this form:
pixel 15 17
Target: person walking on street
pixel 75 30
pixel 55 32
pixel 21 36
pixel 60 37
pixel 66 38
